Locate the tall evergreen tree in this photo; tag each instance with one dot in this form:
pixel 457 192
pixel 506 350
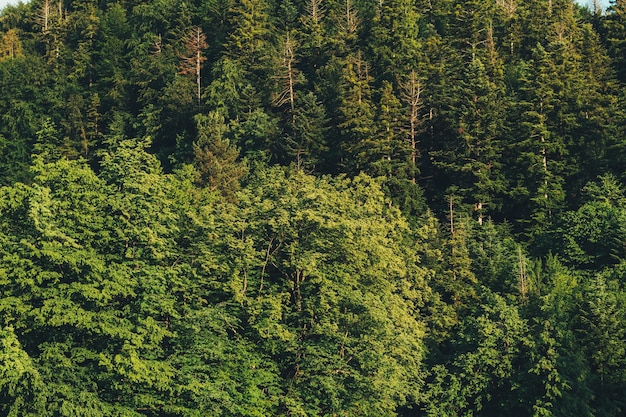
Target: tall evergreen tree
pixel 215 157
pixel 192 57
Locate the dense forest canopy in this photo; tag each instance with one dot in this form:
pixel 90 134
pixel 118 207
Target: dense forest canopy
pixel 312 208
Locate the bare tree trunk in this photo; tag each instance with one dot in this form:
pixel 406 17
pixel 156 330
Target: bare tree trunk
pixel 192 57
pixel 44 15
pixel 522 274
pixel 287 94
pixel 316 11
pixel 198 65
pixel 352 20
pixel 412 96
pixel 479 209
pixel 597 7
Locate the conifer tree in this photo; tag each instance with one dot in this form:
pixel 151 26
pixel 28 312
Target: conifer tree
pixel 305 139
pixel 113 64
pixel 597 99
pixel 303 116
pixel 603 319
pixel 10 45
pixel 51 18
pixel 250 39
pixel 215 157
pixel 481 127
pixel 411 94
pixel 614 25
pixel 192 57
pixel 394 39
pixel 356 111
pixel 460 282
pixel 540 148
pixel 385 153
pixel 313 37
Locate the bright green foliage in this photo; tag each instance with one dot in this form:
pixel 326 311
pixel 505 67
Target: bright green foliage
pixel 330 293
pixel 125 295
pixel 81 295
pixel 21 385
pixel 145 271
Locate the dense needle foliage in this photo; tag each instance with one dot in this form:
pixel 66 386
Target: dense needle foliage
pixel 312 208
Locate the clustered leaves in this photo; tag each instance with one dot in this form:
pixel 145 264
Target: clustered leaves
pixel 132 292
pixel 312 208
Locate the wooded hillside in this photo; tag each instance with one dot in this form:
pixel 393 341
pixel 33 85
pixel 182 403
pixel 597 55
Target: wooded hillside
pixel 312 208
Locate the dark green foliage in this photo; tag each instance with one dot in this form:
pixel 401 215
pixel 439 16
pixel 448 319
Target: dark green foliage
pixel 21 105
pixel 215 157
pixel 602 319
pixel 305 143
pixel 312 208
pixel 591 236
pixel 481 370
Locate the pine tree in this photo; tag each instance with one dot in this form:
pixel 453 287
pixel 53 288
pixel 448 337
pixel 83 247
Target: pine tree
pixel 215 157
pixel 614 26
pixel 250 39
pixel 10 45
pixel 385 154
pixel 394 39
pixel 305 139
pixel 192 57
pixel 314 37
pixel 540 148
pixel 51 18
pixel 356 111
pixel 481 127
pixel 412 91
pixel 603 323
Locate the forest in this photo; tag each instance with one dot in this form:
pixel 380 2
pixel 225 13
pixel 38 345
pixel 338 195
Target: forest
pixel 312 208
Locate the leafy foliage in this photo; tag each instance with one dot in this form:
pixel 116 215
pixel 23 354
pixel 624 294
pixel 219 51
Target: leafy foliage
pixel 312 208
